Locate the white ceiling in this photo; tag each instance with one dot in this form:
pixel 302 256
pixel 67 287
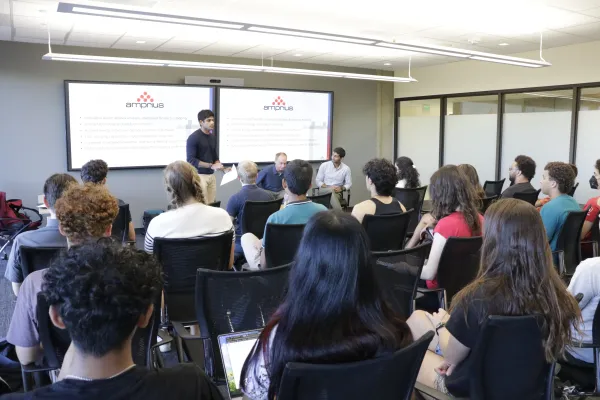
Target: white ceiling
pixel 471 24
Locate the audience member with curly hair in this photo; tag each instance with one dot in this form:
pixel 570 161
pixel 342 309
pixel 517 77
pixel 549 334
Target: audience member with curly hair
pixel 96 171
pixel 557 181
pixel 85 214
pixel 190 217
pixel 381 179
pixel 408 176
pixel 48 236
pixel 101 293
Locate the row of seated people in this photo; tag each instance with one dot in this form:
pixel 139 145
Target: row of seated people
pixel 333 311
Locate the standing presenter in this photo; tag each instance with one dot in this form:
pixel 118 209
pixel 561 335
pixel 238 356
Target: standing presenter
pixel 201 151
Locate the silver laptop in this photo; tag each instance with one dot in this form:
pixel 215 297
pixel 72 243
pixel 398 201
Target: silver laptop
pixel 235 348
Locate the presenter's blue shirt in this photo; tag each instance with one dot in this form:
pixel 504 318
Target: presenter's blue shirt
pixel 554 215
pixel 201 147
pixel 270 179
pixel 236 205
pixel 294 213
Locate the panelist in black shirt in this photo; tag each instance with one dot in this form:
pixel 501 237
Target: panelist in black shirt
pixel 201 152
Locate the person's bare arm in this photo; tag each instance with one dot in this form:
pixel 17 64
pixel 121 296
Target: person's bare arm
pixel 28 355
pixel 263 259
pixel 430 268
pixel 587 226
pixel 131 232
pixel 16 287
pixel 361 209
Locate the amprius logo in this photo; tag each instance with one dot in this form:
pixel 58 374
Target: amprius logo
pixel 278 105
pixel 145 101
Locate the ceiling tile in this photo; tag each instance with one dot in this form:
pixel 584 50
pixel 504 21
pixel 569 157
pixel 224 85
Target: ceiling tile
pixel 41 34
pixel 31 8
pixel 130 43
pixel 181 46
pixel 555 18
pixel 87 44
pixel 573 5
pixel 588 30
pixel 36 40
pixel 92 38
pixel 592 12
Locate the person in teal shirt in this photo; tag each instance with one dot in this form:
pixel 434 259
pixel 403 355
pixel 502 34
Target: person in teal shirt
pixel 297 178
pixel 558 180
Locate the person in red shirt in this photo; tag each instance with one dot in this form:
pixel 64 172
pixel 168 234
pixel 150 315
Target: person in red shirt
pixel 454 214
pixel 594 206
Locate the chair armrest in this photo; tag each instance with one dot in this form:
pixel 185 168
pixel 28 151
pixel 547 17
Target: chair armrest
pixel 31 368
pixel 165 339
pixel 425 392
pixel 425 290
pixel 181 332
pixel 585 345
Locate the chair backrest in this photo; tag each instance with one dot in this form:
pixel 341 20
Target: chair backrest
pixel 569 240
pixel 509 360
pixel 384 378
pixel 120 226
pixel 412 199
pixel 281 243
pixel 180 258
pixel 55 341
pixel 256 214
pixel 486 202
pixel 398 274
pixel 387 232
pixel 145 338
pixel 572 191
pixel 231 302
pixel 459 264
pixel 324 199
pixel 215 204
pixel 36 258
pixel 530 197
pixel 493 188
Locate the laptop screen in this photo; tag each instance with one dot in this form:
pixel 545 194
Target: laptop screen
pixel 235 348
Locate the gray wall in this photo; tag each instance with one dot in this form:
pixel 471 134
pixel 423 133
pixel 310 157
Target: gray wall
pixel 32 118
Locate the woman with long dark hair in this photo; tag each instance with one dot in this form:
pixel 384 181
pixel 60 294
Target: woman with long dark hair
pixel 333 311
pixel 516 277
pixel 473 177
pixel 454 214
pixel 408 176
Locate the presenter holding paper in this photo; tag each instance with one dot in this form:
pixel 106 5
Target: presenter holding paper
pixel 201 149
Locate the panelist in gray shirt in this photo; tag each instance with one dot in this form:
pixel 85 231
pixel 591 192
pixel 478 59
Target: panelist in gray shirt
pixel 48 236
pixel 335 176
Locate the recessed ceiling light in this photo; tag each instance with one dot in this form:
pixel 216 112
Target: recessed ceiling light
pixel 297 55
pixel 387 63
pixel 140 41
pixel 503 44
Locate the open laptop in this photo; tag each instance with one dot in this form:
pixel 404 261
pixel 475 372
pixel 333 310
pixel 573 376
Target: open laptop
pixel 235 348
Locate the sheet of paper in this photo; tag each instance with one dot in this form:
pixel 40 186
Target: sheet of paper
pixel 230 176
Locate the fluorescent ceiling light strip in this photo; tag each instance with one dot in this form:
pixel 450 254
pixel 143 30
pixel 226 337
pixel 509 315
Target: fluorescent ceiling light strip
pixel 291 32
pixel 498 57
pixel 423 49
pixel 520 64
pixel 217 66
pixel 154 18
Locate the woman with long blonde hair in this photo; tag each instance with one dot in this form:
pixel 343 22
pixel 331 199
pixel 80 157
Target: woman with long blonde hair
pixel 190 217
pixel 516 277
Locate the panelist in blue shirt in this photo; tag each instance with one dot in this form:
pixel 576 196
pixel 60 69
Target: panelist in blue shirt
pixel 270 177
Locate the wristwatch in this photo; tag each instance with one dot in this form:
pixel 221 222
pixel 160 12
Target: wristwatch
pixel 439 326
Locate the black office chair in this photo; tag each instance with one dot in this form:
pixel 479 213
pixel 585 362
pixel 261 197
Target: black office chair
pixel 215 204
pixel 120 226
pixel 595 237
pixel 585 375
pixel 486 202
pixel 458 266
pixel 387 232
pixel 324 199
pixel 412 199
pixel 568 246
pixel 509 362
pixel 256 214
pixel 389 377
pixel 572 191
pixel 344 201
pixel 281 243
pixel 529 197
pixel 493 188
pixel 398 273
pixel 231 302
pixel 180 259
pixel 37 258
